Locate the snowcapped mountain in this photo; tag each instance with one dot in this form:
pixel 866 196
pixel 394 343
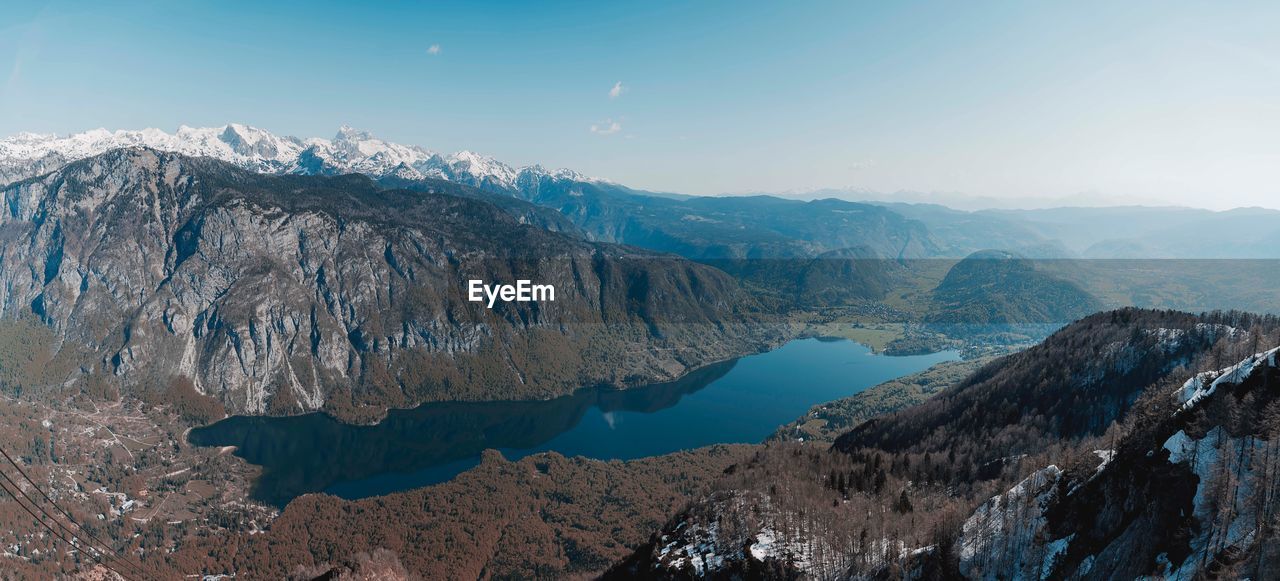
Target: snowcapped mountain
pixel 350 151
pixel 242 145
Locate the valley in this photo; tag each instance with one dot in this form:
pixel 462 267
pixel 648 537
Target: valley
pixel 698 291
pixel 737 401
pixel 185 501
pixel 293 350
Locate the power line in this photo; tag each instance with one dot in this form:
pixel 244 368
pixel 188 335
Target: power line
pixel 101 556
pixel 13 494
pixel 59 508
pixel 91 550
pixel 23 495
pixel 108 553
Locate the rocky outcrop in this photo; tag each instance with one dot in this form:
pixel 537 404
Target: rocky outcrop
pixel 284 294
pixel 1190 493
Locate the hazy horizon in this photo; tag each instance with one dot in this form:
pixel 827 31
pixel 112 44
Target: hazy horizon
pixel 1141 102
pixel 976 203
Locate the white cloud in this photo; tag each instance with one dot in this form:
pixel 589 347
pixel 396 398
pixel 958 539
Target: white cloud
pixel 433 50
pixel 617 90
pixel 608 127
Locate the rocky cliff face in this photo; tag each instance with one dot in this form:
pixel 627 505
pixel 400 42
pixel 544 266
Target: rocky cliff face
pixel 289 294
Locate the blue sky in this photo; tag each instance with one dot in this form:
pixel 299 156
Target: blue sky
pixel 1148 101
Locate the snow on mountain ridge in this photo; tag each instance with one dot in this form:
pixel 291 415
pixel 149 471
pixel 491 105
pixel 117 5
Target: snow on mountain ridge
pixel 1194 390
pixel 1008 537
pixel 350 151
pixel 245 146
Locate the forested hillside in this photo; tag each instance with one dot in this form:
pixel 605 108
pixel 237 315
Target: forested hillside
pixel 908 493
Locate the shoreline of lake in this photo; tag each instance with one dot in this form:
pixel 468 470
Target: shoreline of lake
pixel 742 400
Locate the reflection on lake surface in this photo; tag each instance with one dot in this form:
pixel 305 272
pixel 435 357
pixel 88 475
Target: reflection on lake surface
pixel 735 401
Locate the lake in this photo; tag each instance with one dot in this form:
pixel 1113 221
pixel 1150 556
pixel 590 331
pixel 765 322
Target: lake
pixel 739 401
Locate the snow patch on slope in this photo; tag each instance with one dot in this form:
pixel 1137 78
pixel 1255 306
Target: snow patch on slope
pixel 996 538
pixel 1214 458
pixel 711 544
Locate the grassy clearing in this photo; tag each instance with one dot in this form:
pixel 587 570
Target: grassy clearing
pixel 877 336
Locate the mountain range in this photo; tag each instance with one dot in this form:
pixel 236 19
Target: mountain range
pixel 287 294
pixel 605 211
pixel 286 275
pixel 727 227
pixel 266 275
pixel 350 151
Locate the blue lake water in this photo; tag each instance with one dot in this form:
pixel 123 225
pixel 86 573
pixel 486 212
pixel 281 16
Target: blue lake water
pixel 739 401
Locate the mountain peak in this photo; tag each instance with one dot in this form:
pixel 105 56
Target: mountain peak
pixel 349 133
